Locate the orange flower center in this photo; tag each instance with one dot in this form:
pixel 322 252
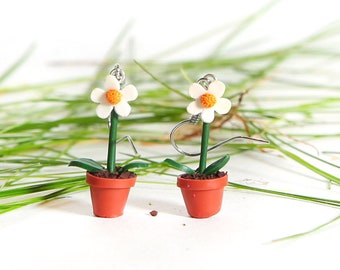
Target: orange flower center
pixel 208 100
pixel 113 96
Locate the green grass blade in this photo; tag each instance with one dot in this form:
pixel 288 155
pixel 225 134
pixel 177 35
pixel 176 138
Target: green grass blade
pixel 16 64
pixel 307 232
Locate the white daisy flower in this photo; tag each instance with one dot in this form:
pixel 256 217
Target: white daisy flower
pixel 113 98
pixel 208 101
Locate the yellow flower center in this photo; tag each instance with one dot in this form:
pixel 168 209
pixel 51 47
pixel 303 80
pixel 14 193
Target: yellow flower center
pixel 208 100
pixel 113 96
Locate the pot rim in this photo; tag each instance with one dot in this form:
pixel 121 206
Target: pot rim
pixel 199 184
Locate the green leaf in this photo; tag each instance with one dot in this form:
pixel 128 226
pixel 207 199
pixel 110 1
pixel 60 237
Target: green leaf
pixel 218 164
pixel 131 165
pixel 178 166
pixel 87 164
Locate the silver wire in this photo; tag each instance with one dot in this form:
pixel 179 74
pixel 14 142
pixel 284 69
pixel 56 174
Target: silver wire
pixel 117 72
pixel 194 119
pixel 181 151
pixel 172 137
pixel 129 139
pixel 206 80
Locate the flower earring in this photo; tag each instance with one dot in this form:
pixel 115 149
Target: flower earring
pixel 112 97
pixel 208 93
pixel 110 186
pixel 204 198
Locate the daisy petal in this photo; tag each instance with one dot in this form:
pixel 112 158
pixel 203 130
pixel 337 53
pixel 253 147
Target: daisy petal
pixel 130 92
pixel 98 95
pixel 216 88
pixel 103 111
pixel 208 115
pixel 195 107
pixel 123 108
pixel 222 106
pixel 111 83
pixel 196 90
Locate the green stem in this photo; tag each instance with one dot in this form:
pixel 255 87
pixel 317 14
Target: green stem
pixel 111 155
pixel 204 147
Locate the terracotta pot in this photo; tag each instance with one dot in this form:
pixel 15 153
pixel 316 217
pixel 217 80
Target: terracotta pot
pixel 109 195
pixel 203 198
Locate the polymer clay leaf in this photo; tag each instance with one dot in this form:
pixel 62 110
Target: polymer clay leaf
pixel 87 164
pixel 174 164
pixel 215 166
pixel 134 165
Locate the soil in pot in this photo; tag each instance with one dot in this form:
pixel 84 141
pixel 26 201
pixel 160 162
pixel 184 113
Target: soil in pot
pixel 200 176
pixel 114 175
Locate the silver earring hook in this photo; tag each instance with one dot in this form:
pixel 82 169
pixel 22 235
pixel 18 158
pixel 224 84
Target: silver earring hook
pixel 117 72
pixel 205 81
pixel 194 120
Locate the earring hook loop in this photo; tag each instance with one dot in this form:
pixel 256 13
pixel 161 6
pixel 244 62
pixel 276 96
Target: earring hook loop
pixel 206 80
pixel 117 72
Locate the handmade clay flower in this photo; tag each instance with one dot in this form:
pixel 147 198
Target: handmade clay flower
pixel 110 186
pixel 208 101
pixel 113 98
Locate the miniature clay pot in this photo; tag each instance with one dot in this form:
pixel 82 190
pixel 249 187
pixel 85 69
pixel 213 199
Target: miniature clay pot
pixel 203 198
pixel 109 196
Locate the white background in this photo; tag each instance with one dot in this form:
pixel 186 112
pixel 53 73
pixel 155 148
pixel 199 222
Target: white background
pixel 64 234
pixel 85 30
